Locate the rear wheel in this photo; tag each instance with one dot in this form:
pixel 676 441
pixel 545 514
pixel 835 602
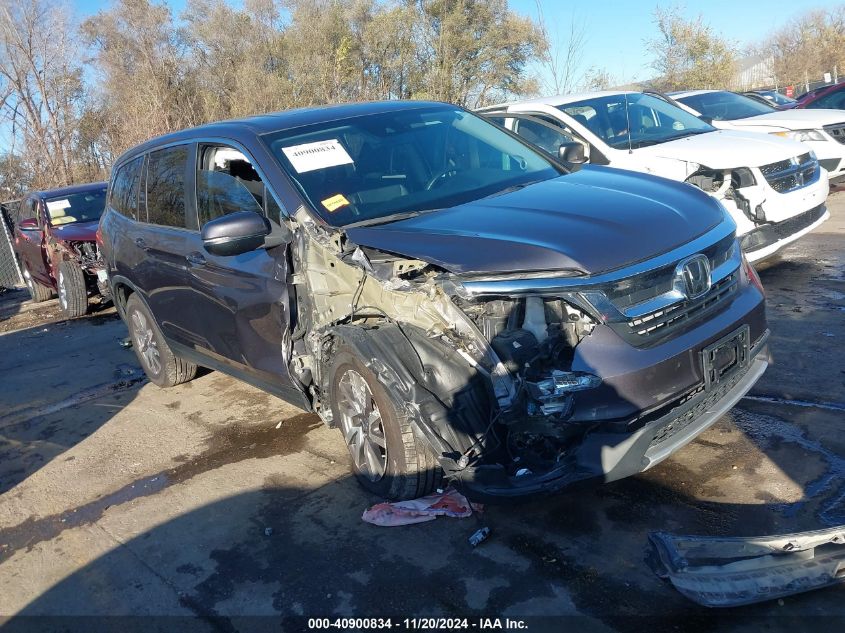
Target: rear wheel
pixel 73 293
pixel 161 365
pixel 387 457
pixel 38 292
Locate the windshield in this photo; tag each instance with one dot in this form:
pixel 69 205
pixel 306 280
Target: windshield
pixel 725 106
pixel 370 169
pixel 86 206
pixel 635 118
pixel 778 98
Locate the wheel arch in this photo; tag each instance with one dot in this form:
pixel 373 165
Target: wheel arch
pixel 447 400
pixel 121 289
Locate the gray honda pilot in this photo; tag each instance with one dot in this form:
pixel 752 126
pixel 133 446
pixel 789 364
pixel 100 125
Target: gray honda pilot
pixel 457 304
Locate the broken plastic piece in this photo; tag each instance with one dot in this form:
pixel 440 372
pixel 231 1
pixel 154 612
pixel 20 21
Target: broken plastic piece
pixel 479 536
pixel 450 503
pixel 733 571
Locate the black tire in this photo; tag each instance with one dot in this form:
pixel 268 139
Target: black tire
pixel 168 370
pixel 410 468
pixel 73 292
pixel 38 292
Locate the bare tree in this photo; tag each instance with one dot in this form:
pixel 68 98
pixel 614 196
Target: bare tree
pixel 688 54
pixel 145 86
pixel 808 46
pixel 562 58
pixel 596 78
pixel 41 85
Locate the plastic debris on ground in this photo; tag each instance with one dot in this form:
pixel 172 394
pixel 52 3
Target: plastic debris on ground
pixel 734 571
pixel 449 503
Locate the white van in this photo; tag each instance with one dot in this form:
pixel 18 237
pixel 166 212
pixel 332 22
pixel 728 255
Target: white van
pixel 774 188
pixel 821 130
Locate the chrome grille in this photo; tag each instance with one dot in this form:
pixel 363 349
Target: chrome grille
pixel 684 311
pixel 837 131
pixel 789 175
pixel 650 308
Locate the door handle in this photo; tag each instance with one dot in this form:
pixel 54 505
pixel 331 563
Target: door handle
pixel 140 243
pixel 196 259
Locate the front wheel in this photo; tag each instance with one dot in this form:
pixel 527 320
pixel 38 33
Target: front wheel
pixel 161 365
pixel 73 292
pixel 388 459
pixel 38 292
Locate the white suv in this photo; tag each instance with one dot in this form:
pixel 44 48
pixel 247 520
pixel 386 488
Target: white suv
pixel 773 187
pixel 823 131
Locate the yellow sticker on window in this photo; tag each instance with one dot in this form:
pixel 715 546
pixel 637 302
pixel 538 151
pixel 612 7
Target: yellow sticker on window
pixel 335 202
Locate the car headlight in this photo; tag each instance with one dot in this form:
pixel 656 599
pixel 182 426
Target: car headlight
pixel 801 135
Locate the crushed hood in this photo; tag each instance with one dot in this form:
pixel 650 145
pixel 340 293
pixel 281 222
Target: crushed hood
pixel 727 149
pixel 795 119
pixel 592 221
pixel 76 231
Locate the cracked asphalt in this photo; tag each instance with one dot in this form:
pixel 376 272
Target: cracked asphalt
pixel 119 498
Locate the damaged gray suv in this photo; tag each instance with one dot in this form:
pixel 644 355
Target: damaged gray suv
pixel 455 303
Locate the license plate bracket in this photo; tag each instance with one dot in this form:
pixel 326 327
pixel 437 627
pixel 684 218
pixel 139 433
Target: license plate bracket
pixel 725 357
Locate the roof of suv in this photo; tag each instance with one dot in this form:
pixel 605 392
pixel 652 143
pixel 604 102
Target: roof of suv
pixel 276 121
pixel 69 190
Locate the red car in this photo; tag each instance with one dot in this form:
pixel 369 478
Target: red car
pixel 828 97
pixel 56 245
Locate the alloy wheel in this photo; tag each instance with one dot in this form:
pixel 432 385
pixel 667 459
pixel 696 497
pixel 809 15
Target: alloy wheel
pixel 145 342
pixel 362 425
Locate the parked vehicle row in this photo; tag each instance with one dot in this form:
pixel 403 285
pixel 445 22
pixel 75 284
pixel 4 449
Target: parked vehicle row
pixel 773 188
pixel 823 131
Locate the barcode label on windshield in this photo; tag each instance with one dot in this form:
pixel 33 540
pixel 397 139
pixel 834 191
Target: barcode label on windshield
pixel 319 155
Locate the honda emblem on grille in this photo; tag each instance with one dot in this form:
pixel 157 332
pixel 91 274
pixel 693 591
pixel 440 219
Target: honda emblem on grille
pixel 692 276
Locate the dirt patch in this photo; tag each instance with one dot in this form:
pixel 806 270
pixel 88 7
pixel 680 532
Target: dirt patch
pixel 17 312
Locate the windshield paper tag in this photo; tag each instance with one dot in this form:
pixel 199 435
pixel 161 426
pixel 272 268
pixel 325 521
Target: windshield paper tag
pixel 57 205
pixel 335 202
pixel 319 155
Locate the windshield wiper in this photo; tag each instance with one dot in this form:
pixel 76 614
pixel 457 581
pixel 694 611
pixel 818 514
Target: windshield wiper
pixel 385 219
pixel 688 133
pixel 512 188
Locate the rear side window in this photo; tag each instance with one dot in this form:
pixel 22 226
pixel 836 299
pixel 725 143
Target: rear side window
pixel 124 190
pixel 547 137
pixel 166 186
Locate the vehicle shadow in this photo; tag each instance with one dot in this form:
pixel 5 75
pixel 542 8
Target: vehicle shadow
pixel 12 301
pixel 271 557
pixel 48 372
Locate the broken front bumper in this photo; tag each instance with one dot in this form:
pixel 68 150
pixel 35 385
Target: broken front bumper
pixel 770 238
pixel 605 456
pixel 734 571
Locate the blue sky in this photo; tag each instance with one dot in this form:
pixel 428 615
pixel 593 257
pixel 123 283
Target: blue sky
pixel 617 30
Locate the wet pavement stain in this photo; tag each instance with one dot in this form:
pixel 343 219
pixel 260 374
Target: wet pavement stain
pixel 826 489
pixel 226 447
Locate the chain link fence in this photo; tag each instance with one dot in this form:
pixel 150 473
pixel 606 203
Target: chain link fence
pixel 10 272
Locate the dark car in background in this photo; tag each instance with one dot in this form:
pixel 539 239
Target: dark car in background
pixel 772 98
pixel 830 97
pixel 56 245
pixel 455 302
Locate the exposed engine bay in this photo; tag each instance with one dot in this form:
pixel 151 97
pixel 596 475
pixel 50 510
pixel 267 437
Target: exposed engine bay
pixel 502 366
